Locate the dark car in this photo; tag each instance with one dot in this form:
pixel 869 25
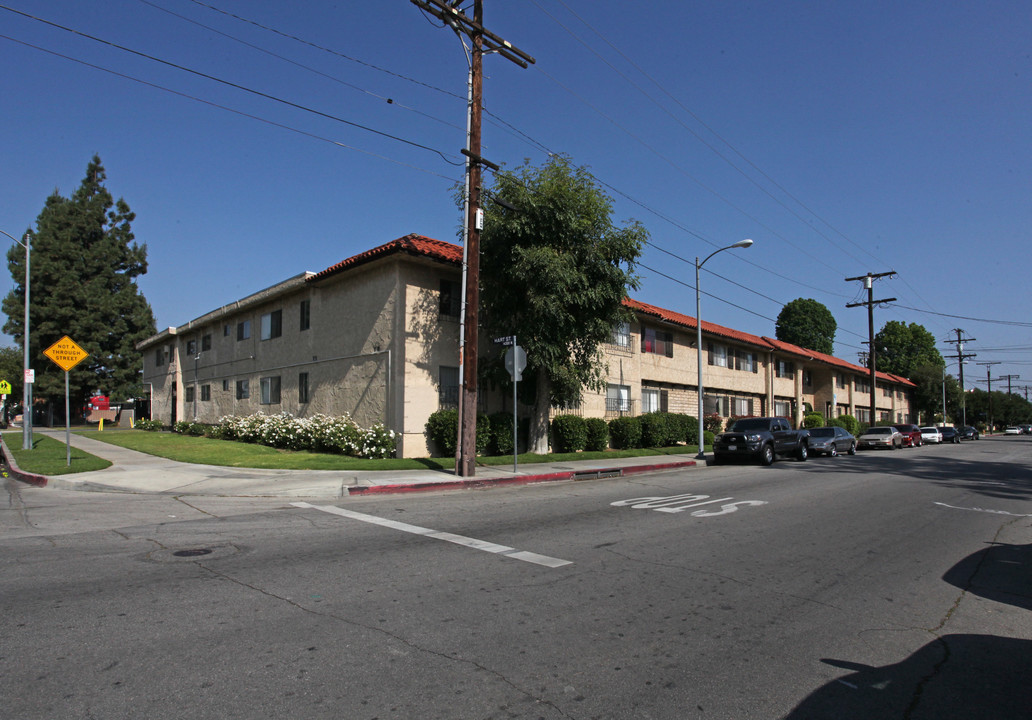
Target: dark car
pixel 911 434
pixel 949 434
pixel 968 433
pixel 831 441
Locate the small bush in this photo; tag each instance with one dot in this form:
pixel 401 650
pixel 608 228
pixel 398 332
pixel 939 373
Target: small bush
pixel 501 433
pixel 653 429
pixel 149 425
pixel 442 429
pixel 850 423
pixel 713 423
pixel 625 433
pixel 569 433
pixel 691 431
pixel 813 420
pixel 707 438
pixel 597 434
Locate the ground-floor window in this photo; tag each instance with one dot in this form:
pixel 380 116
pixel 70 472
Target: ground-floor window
pixel 270 389
pixel 302 387
pixel 783 408
pixel 618 398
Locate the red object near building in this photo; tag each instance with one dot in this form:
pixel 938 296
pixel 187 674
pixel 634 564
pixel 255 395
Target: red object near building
pixel 100 402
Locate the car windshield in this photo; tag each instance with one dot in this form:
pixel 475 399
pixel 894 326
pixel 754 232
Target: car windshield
pixel 822 432
pixel 929 430
pixel 752 424
pixel 880 431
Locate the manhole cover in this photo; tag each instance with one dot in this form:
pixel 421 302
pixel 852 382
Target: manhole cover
pixel 194 552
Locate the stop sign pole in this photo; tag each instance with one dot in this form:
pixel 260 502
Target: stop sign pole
pixel 515 361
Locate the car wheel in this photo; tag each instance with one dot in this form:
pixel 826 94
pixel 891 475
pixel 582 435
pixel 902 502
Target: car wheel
pixel 834 451
pixel 718 460
pixel 767 455
pixel 802 453
pixel 852 449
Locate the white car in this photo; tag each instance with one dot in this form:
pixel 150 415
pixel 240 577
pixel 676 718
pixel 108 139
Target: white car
pixel 1012 430
pixel 931 435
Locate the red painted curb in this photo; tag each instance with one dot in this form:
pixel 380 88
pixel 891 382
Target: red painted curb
pixel 17 472
pixel 476 483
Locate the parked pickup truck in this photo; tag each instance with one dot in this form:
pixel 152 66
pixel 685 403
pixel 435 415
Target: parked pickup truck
pixel 761 439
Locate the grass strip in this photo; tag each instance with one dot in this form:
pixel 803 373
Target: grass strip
pixel 50 457
pixel 208 451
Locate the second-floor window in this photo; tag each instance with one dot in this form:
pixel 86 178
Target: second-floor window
pixel 717 355
pixel 622 335
pixel 243 330
pixel 191 347
pixel 305 321
pixel 784 368
pixel 745 361
pixel 657 342
pixel 272 325
pixel 451 298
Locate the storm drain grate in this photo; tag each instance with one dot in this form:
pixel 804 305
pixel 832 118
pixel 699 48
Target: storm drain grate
pixel 193 552
pixel 597 474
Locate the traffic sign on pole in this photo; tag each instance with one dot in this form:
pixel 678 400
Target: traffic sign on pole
pixel 66 354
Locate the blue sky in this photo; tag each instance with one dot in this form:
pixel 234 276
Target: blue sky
pixel 843 138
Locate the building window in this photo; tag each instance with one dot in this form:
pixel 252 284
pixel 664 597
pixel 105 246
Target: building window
pixel 270 390
pixel 622 335
pixel 205 393
pixel 618 398
pixel 302 387
pixel 863 415
pixel 272 325
pixel 657 342
pixel 243 330
pixel 189 394
pixel 225 386
pixel 451 299
pixel 717 355
pixel 784 368
pixel 653 400
pixel 742 407
pixel 227 330
pixel 782 408
pixel 159 356
pixel 191 347
pixel 808 378
pixel 745 361
pixel 305 321
pixel 448 387
pixel 716 405
pixel 863 385
pixel 243 389
pixel 840 381
pixel 886 391
pixel 206 342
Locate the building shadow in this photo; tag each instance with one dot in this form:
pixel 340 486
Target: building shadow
pixel 966 677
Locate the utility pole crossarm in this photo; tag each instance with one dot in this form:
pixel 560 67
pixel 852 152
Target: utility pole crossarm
pixel 869 279
pixel 491 42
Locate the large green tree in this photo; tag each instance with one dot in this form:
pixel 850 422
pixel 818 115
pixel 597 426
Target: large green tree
pixel 555 270
pixel 84 266
pixel 807 323
pixel 903 348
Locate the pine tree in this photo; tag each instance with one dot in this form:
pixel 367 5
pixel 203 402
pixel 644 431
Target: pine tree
pixel 84 265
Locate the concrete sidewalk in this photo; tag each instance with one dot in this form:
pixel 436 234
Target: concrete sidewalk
pixel 136 472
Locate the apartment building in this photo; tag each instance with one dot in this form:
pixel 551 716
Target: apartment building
pixel 376 336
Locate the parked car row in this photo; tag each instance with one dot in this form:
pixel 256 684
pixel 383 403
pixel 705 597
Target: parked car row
pixel 765 439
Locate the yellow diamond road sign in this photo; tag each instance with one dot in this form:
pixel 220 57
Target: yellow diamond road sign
pixel 66 353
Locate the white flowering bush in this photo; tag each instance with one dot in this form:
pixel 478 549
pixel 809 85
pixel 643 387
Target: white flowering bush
pixel 319 433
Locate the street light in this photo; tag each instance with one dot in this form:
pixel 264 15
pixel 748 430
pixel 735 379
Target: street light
pixel 26 385
pixel 698 334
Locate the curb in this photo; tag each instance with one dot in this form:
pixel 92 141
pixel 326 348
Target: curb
pixel 476 483
pixel 26 477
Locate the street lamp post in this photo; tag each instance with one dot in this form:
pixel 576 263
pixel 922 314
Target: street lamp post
pixel 698 335
pixel 26 385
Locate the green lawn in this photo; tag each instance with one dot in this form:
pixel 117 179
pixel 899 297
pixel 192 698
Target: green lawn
pixel 186 448
pixel 49 456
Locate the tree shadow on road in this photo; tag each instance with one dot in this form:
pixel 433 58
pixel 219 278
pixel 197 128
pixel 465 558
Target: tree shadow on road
pixel 955 676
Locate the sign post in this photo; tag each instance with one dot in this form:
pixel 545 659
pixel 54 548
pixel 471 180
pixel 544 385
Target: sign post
pixel 515 362
pixel 66 354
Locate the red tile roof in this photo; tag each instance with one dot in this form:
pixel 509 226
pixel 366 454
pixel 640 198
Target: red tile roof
pixel 412 244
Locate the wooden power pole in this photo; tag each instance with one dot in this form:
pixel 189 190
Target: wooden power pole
pixel 483 41
pixel 872 357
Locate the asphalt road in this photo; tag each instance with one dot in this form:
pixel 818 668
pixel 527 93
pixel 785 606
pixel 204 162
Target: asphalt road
pixel 886 585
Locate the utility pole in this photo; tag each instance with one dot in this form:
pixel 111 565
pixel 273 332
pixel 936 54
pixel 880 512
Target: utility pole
pixel 961 357
pixel 1008 378
pixel 483 41
pixel 869 279
pixel 989 380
